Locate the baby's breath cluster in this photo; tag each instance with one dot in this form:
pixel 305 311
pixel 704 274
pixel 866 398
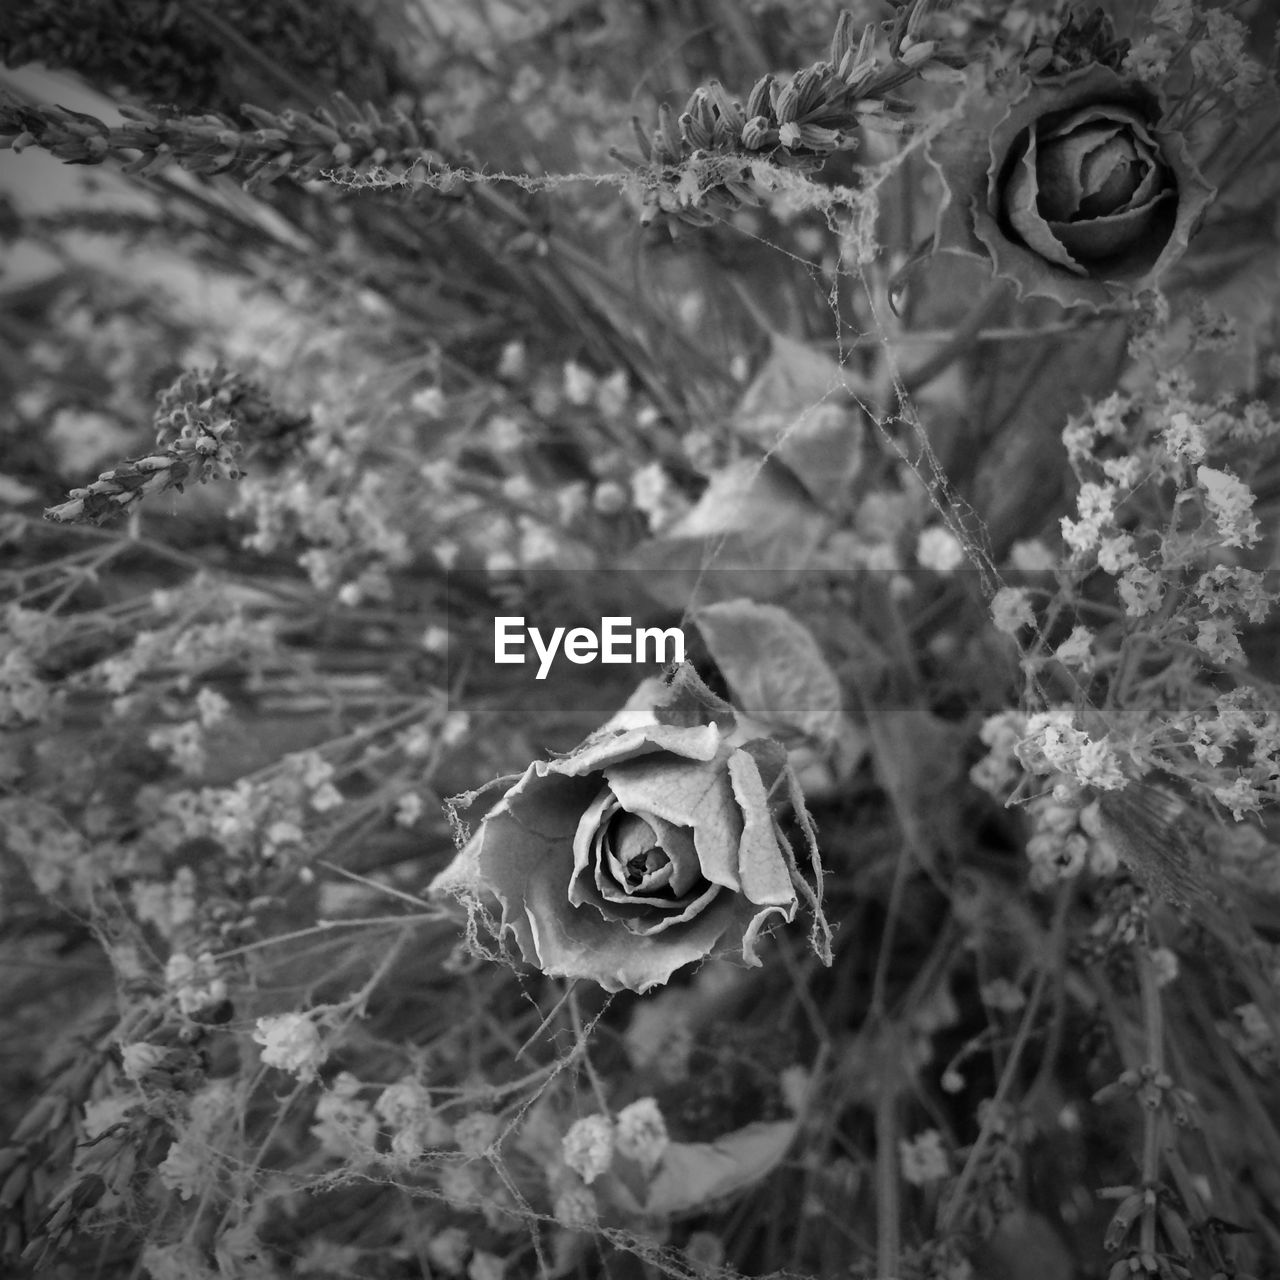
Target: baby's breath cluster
pixel 1060 762
pixel 1201 45
pixel 1160 586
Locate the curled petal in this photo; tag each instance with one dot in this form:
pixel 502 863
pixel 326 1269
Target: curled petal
pixel 1021 207
pixel 762 869
pixel 1133 238
pixel 572 943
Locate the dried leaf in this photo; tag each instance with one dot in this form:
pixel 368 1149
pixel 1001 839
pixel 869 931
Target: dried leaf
pixel 798 410
pixel 693 1175
pixel 775 670
pixel 752 532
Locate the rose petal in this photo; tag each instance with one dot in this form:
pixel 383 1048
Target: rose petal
pixel 1111 108
pixel 1058 163
pixel 698 743
pixel 677 843
pixel 613 887
pixel 591 860
pixel 1105 165
pixel 628 836
pixel 525 837
pixel 1156 181
pixel 641 916
pixel 1111 117
pixel 766 878
pixel 588 830
pixel 1020 208
pixel 1133 239
pixel 697 796
pixel 625 839
pixel 614 873
pixel 1112 174
pixel 651 882
pixel 573 943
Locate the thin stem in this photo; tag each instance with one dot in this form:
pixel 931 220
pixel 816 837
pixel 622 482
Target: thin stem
pixel 888 1228
pixel 1152 1116
pixel 951 1207
pixel 581 1032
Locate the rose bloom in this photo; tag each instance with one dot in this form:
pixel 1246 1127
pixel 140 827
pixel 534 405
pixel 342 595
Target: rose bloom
pixel 648 847
pixel 1074 192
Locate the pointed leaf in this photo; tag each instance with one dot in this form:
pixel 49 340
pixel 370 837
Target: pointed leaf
pixel 799 410
pixel 775 670
pixel 693 1175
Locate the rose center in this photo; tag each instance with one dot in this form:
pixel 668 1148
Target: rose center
pixel 1090 172
pixel 634 845
pixel 642 864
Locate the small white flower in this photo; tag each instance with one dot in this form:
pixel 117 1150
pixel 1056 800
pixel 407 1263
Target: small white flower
pixel 1076 651
pixel 1117 553
pixel 212 707
pixel 649 487
pixel 795 1083
pixel 1032 556
pixel 579 384
pixel 456 726
pixel 403 1102
pixel 612 393
pixel 345 1125
pixel 326 797
pixel 588 1146
pixel 1011 610
pixel 641 1133
pixel 476 1133
pixel 575 1208
pixel 315 769
pixel 1218 640
pixel 571 501
pixel 1240 797
pixel 1185 438
pixel 430 402
pixel 139 1057
pixel 282 832
pixel 1141 591
pixel 183 1169
pixel 1165 964
pixel 408 809
pixel 291 1041
pixel 435 640
pixel 924 1158
pixel 1230 504
pixel 939 549
pixel 609 498
pixel 513 362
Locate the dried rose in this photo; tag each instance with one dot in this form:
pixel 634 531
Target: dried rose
pixel 649 847
pixel 1074 191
